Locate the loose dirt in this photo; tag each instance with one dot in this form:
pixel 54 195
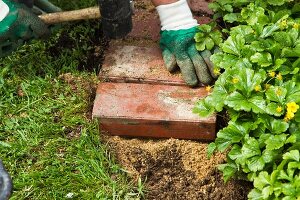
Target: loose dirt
pixel 93 48
pixel 175 169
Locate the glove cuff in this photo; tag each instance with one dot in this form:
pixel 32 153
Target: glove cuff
pixel 176 16
pixel 4 10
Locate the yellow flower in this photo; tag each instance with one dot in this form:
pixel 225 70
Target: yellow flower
pixel 283 24
pixel 278 91
pixel 279 109
pixel 272 74
pixel 235 80
pixel 289 116
pixel 292 107
pixel 296 26
pixel 279 76
pixel 208 88
pixel 257 88
pixel 217 71
pixel 285 119
pixel 267 86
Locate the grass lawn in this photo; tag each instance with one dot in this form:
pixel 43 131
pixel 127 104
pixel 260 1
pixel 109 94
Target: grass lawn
pixel 48 142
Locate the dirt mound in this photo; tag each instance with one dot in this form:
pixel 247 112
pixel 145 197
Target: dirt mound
pixel 176 169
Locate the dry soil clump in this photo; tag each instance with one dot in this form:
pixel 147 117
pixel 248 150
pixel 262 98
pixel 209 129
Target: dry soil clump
pixel 176 169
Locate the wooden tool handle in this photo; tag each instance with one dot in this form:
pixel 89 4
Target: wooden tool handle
pixel 67 16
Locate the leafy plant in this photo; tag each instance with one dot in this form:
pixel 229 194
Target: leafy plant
pixel 260 90
pixel 207 37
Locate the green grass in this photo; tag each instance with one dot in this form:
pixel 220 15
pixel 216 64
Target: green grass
pixel 48 142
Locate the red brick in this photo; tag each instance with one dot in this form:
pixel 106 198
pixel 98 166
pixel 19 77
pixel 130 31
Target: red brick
pixel 146 25
pixel 200 6
pixel 137 65
pixel 158 111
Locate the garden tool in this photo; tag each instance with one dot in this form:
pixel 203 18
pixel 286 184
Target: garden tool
pixel 22 24
pixel 116 17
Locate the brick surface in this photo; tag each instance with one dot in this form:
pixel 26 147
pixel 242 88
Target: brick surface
pixel 200 6
pixel 195 5
pixel 145 110
pixel 146 24
pixel 137 65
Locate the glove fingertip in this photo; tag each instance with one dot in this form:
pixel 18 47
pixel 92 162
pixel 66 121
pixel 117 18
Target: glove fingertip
pixel 206 57
pixel 188 72
pixel 169 60
pixel 192 82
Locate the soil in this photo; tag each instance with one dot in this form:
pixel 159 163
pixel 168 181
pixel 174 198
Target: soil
pixel 97 44
pixel 175 169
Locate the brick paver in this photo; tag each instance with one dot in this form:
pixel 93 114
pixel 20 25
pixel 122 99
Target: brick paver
pixel 145 110
pixel 137 65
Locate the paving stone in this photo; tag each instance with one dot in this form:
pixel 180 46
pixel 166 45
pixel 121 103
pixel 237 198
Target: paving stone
pixel 137 65
pixel 195 5
pixel 144 110
pixel 146 25
pixel 200 6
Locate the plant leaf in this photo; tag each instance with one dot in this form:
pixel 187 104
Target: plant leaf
pixel 276 2
pixel 272 109
pixel 233 45
pixel 250 148
pixel 269 155
pixel 255 163
pixel 239 102
pixel 205 28
pixel 278 126
pixel 264 59
pixel 275 141
pixel 269 30
pixel 262 180
pixel 255 194
pixel 233 133
pixel 211 149
pixel 204 107
pixel 292 155
pixel 228 169
pixel 276 93
pixel 216 36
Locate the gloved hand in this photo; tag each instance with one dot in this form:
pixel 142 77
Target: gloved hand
pixel 20 25
pixel 178 44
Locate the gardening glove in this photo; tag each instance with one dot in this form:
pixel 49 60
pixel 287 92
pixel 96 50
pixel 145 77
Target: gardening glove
pixel 19 24
pixel 178 44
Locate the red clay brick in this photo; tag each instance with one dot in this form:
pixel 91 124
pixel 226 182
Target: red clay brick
pixel 143 110
pixel 137 65
pixel 200 6
pixel 146 24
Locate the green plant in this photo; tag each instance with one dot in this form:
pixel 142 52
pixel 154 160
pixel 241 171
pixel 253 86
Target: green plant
pixel 260 90
pixel 208 37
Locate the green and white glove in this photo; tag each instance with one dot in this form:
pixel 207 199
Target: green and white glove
pixel 178 44
pixel 19 24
